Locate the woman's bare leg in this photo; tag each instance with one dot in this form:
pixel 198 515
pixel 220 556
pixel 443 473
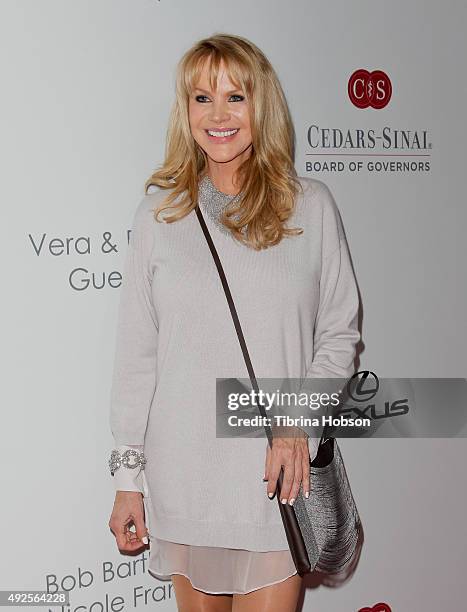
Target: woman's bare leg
pixel 279 597
pixel 190 599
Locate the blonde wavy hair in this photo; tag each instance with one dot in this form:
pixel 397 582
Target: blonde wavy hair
pixel 268 177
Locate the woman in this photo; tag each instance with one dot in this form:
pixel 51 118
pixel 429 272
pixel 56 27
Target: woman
pixel 213 525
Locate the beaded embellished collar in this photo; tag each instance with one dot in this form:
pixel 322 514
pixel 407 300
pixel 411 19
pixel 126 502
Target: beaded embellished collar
pixel 213 202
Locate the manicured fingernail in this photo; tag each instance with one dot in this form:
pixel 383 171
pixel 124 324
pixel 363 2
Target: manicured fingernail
pixel 270 495
pixel 145 540
pixel 284 501
pixel 307 494
pixel 292 501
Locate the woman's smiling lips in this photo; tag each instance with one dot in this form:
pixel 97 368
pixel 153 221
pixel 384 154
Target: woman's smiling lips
pixel 222 135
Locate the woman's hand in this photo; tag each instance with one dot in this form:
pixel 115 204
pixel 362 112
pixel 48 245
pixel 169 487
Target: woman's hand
pixel 290 451
pixel 128 509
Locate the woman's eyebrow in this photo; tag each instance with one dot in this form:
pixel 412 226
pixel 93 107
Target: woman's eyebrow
pixel 209 92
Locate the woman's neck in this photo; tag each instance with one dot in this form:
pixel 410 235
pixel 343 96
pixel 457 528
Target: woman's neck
pixel 222 181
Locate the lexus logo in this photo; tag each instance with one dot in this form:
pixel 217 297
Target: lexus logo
pixel 363 386
pixel 369 89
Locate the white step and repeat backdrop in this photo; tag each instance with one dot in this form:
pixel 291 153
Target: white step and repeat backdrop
pixel 87 87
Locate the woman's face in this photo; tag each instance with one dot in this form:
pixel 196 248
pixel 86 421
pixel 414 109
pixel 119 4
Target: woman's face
pixel 220 120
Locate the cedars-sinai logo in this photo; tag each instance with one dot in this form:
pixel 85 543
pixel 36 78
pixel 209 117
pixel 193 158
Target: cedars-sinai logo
pixel 369 89
pixel 379 607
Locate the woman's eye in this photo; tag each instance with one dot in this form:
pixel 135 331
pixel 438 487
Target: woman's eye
pixel 201 98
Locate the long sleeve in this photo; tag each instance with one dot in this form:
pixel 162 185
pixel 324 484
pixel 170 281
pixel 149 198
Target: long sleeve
pixel 134 369
pixel 336 326
pixel 130 479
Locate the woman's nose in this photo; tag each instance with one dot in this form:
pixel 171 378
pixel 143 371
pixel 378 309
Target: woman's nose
pixel 219 111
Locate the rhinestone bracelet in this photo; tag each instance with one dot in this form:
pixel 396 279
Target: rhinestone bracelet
pixel 118 459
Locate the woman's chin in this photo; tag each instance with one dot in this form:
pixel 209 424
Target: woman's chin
pixel 224 154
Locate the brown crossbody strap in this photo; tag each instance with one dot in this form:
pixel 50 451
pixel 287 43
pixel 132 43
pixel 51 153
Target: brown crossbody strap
pixel 236 321
pixel 289 519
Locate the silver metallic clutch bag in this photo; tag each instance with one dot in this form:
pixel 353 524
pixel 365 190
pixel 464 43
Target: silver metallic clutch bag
pixel 323 530
pixel 329 521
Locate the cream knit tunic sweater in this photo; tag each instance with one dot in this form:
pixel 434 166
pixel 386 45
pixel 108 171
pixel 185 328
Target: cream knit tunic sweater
pixel 297 303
